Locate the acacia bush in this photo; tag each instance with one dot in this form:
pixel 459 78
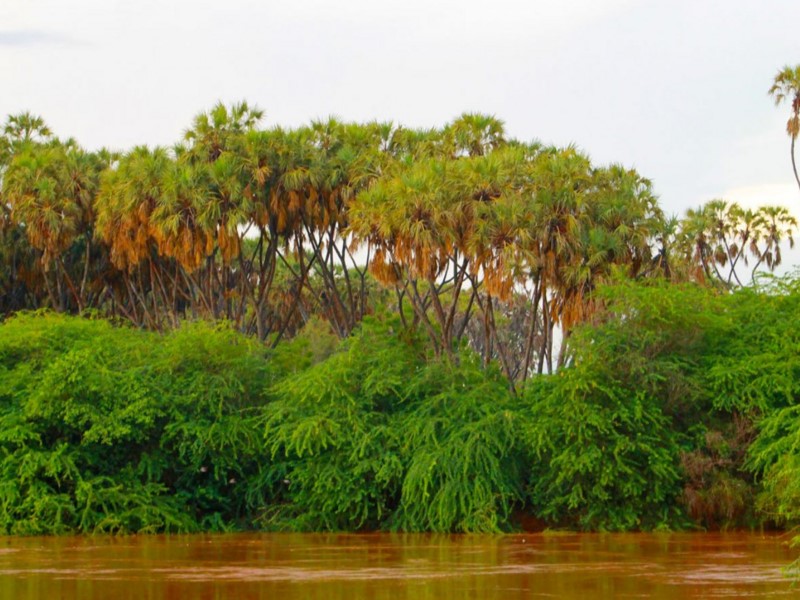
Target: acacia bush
pixel 606 457
pixel 108 428
pixel 609 430
pixel 465 457
pixel 381 435
pixel 677 408
pixel 765 382
pixel 332 437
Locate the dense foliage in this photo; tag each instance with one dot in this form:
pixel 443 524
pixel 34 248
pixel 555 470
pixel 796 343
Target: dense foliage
pixel 110 429
pixel 678 409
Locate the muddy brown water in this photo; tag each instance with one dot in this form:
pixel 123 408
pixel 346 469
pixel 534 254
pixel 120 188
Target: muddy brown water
pixel 419 567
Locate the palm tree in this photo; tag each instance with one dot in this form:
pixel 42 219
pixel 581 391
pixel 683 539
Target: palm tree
pixel 786 86
pixel 474 134
pixel 18 132
pixel 214 132
pixel 129 193
pixel 26 127
pixel 777 225
pixel 51 190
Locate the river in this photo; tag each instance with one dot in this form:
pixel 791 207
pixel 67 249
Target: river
pixel 378 566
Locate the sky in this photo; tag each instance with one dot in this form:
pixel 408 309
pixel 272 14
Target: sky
pixel 676 89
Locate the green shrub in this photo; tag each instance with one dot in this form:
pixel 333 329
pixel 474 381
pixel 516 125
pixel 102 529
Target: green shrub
pixel 464 455
pixel 677 406
pixel 112 429
pixel 775 457
pixel 332 434
pixel 376 436
pixel 606 458
pixel 607 432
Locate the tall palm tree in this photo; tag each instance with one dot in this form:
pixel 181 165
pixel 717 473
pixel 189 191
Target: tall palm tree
pixel 786 86
pixel 214 132
pixel 18 132
pixel 128 195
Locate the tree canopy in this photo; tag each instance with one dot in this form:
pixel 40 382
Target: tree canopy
pixel 473 237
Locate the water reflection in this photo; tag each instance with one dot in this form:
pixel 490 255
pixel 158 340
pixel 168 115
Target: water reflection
pixel 290 566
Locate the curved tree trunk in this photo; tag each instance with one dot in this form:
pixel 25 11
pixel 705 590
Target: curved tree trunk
pixel 794 164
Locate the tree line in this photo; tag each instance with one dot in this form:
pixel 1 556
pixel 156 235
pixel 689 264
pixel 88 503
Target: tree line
pixel 470 236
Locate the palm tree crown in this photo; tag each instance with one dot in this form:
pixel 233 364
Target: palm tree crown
pixel 786 87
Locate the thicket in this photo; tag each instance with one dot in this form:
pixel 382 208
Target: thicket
pixel 678 408
pixel 106 428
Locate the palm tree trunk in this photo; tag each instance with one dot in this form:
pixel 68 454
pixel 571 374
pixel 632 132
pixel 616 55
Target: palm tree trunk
pixel 546 331
pixel 467 315
pixel 794 164
pixel 532 331
pixel 501 353
pixel 87 257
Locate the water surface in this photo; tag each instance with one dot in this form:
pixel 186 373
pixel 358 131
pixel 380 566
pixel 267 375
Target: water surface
pixel 295 566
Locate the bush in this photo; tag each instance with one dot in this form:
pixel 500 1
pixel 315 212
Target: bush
pixel 606 431
pixel 332 436
pixel 376 436
pixel 678 406
pixel 112 429
pixel 606 458
pixel 464 452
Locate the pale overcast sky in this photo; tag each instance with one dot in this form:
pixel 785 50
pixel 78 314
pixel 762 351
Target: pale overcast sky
pixel 676 89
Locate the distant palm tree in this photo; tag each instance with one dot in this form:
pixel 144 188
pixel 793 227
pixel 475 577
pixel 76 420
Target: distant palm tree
pixel 786 86
pixel 26 127
pixel 475 134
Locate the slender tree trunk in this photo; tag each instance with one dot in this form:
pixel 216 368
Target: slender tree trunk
pixel 467 316
pixel 532 331
pixel 418 304
pixel 562 352
pixel 70 284
pixel 85 278
pixel 400 293
pixel 438 310
pixel 501 352
pixel 363 290
pixel 546 331
pixel 459 282
pixel 794 164
pixel 54 304
pixel 139 321
pixel 338 311
pixel 743 247
pixel 342 255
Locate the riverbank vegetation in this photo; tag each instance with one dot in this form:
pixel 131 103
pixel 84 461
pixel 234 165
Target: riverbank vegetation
pixel 368 327
pixel 678 410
